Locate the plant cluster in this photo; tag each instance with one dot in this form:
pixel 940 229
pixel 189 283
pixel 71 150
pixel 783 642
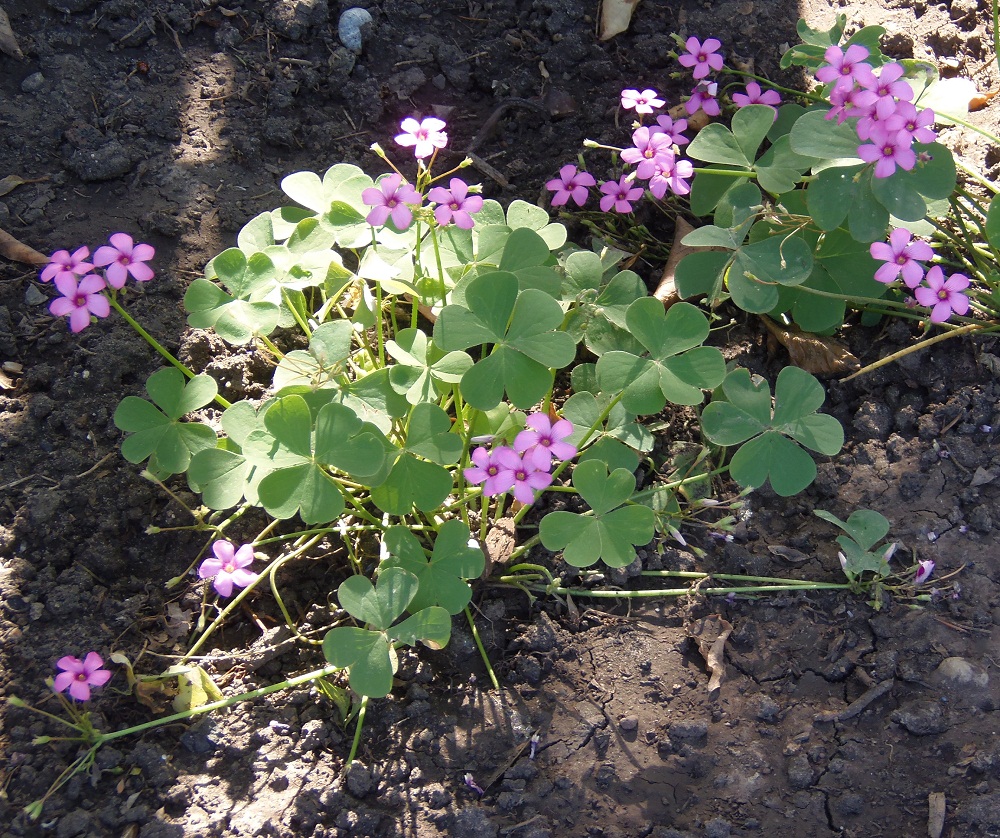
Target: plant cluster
pixel 441 362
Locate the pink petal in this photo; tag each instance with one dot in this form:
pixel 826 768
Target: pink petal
pixel 92 662
pixel 90 284
pixel 244 556
pixel 99 678
pixel 80 690
pixel 123 241
pixel 117 275
pixel 105 256
pixel 62 681
pixel 79 320
pixel 223 584
pixel 141 271
pixel 143 253
pixel 210 568
pixel 224 551
pixel 70 664
pixel 243 578
pixel 62 307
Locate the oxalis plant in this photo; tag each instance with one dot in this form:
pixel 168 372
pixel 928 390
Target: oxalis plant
pixel 834 201
pixel 443 364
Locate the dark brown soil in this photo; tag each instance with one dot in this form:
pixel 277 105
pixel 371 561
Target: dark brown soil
pixel 174 121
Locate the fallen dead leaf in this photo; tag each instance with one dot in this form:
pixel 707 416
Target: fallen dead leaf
pixel 981 100
pixel 6 382
pixel 11 248
pixel 8 41
pixel 178 621
pixel 788 554
pixel 615 17
pixel 666 290
pixel 813 353
pixel 711 634
pixel 936 808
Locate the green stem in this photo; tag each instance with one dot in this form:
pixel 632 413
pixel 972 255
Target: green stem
pixel 481 648
pixel 736 577
pixel 159 347
pixel 358 727
pixel 219 705
pixel 725 172
pixel 678 592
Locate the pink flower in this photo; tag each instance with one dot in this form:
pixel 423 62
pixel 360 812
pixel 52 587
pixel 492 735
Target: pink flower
pixel 496 476
pixel 527 478
pixel 703 99
pixel 643 102
pixel 755 96
pixel 671 127
pixel 848 102
pixel 924 571
pixel 61 263
pixel 570 184
pixel 390 197
pixel 887 151
pixel 543 439
pixel 887 88
pixel 455 204
pixel 703 57
pixel 619 195
pixel 846 67
pixel 78 676
pixel 943 296
pixel 228 568
pixel 122 258
pixel 672 174
pixel 916 123
pixel 79 300
pixel 425 136
pixel 900 257
pixel 650 146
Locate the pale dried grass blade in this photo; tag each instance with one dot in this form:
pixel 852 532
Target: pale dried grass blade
pixel 8 41
pixel 616 15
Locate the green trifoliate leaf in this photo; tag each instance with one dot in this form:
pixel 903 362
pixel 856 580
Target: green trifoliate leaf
pixel 769 454
pixel 444 577
pixel 612 532
pixel 678 367
pixel 319 366
pixel 423 372
pixel 335 200
pixel 158 432
pixel 522 328
pixel 240 309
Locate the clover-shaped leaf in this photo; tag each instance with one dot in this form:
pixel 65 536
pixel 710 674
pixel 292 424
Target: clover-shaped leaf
pixel 423 372
pixel 317 367
pixel 864 528
pixel 369 652
pixel 158 432
pixel 416 477
pixel 678 367
pixel 335 200
pixel 585 409
pixel 521 326
pixel 224 476
pixel 443 578
pixel 299 454
pixel 597 316
pixel 611 532
pixel 770 454
pixel 240 310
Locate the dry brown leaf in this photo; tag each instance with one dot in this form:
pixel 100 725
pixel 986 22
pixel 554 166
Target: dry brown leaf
pixel 10 183
pixel 981 100
pixel 813 353
pixel 11 248
pixel 936 808
pixel 6 382
pixel 711 634
pixel 155 694
pixel 615 17
pixel 8 41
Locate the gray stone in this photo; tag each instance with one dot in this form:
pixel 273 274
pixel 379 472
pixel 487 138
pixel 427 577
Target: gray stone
pixel 718 828
pixel 474 823
pixel 693 732
pixel 77 822
pixel 629 723
pixel 33 83
pixel 921 717
pixel 983 812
